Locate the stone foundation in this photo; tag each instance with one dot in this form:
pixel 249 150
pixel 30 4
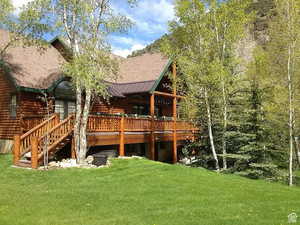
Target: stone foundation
pixel 6 146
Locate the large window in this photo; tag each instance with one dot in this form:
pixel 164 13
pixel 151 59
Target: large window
pixel 64 108
pixel 13 106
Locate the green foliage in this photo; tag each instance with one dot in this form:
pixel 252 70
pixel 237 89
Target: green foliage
pixel 203 42
pixel 92 69
pixel 86 25
pixel 151 48
pixel 27 27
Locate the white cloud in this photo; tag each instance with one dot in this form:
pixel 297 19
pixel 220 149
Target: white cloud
pixel 125 40
pixel 127 51
pixel 18 5
pixel 160 11
pixel 150 16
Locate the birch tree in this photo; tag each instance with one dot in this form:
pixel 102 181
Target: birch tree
pixel 86 24
pixel 229 21
pixel 203 41
pixel 283 50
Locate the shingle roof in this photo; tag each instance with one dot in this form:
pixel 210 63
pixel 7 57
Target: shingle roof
pixel 147 67
pixel 30 66
pixel 136 87
pixel 37 69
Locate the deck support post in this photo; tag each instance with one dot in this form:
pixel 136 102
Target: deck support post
pixel 17 145
pixel 174 114
pixel 152 132
pixel 34 153
pixel 73 151
pixel 122 135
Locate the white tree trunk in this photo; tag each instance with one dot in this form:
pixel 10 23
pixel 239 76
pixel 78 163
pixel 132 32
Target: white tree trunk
pixel 211 137
pixel 297 150
pixel 291 116
pixel 84 121
pixel 77 124
pixel 224 150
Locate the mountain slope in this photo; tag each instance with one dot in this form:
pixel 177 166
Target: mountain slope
pixel 262 8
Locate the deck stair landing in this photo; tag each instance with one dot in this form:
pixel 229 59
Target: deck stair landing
pixel 51 135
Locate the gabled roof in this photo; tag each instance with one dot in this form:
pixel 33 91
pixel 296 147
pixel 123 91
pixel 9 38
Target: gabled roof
pixel 146 67
pixel 136 74
pixel 34 69
pixel 31 67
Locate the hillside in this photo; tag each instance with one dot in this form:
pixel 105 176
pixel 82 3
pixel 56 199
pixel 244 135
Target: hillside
pixel 139 191
pixel 262 8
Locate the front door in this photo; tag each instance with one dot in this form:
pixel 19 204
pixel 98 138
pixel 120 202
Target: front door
pixel 64 108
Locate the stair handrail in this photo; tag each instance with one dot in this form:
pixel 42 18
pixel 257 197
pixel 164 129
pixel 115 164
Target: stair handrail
pixel 54 139
pixel 41 129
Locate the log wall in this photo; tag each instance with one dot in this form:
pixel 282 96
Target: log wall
pixel 8 124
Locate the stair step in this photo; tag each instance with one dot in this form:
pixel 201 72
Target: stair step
pixel 24 163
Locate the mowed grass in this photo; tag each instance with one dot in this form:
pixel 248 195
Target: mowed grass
pixel 139 191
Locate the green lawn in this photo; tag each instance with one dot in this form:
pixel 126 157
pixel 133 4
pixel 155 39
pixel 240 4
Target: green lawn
pixel 139 191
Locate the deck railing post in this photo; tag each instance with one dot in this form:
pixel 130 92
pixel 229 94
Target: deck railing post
pixel 122 144
pixel 17 146
pixel 34 153
pixel 152 132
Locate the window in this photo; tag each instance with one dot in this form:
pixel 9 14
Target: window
pixel 71 107
pixel 64 108
pixel 60 108
pixel 13 106
pixel 140 110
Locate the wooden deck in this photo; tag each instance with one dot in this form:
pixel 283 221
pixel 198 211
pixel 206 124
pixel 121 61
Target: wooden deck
pixel 107 130
pixel 102 130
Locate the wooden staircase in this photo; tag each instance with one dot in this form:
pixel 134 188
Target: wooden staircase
pixel 48 137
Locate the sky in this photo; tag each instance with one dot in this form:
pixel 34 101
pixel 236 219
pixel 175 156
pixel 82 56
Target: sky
pixel 150 19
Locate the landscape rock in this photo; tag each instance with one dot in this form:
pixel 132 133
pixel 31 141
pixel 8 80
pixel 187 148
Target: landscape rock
pixel 71 163
pixel 89 159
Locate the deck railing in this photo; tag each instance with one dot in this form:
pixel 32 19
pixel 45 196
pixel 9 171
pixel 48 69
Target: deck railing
pixel 22 144
pixel 52 132
pixel 103 123
pixel 30 121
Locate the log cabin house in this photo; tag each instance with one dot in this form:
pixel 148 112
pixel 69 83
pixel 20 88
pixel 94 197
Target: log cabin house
pixel 139 118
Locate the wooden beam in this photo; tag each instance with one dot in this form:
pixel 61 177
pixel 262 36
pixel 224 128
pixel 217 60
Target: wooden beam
pixel 174 73
pixel 174 114
pixel 73 151
pixel 17 145
pixel 136 138
pixel 34 153
pixel 167 94
pixel 152 133
pixel 122 141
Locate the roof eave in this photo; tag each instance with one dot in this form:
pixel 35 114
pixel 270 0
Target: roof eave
pixel 167 66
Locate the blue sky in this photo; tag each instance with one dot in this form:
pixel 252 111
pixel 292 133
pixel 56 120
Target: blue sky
pixel 150 19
